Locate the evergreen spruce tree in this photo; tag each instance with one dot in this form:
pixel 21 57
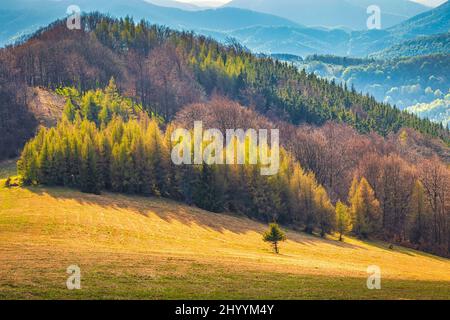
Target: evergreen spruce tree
pixel 89 173
pixel 104 165
pixel 89 108
pixel 70 110
pixel 274 235
pixel 44 165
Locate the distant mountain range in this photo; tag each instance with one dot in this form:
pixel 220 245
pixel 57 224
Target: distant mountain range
pixel 426 45
pixel 176 4
pixel 304 41
pixel 432 22
pixel 20 17
pixel 293 40
pixel 260 32
pixel 350 14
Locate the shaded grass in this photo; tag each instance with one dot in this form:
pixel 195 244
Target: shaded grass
pixel 144 248
pixel 8 168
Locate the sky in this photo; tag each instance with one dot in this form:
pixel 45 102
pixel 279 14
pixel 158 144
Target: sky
pixel 215 3
pixel 431 3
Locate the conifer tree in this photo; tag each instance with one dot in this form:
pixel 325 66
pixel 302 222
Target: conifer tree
pixel 104 160
pixel 89 173
pixel 324 211
pixel 274 235
pixel 70 110
pixel 158 158
pixel 105 116
pixel 89 107
pixel 343 219
pixel 365 210
pixel 44 163
pixel 27 166
pixel 307 189
pixel 172 178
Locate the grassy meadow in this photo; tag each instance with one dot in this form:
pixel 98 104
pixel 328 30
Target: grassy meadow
pixel 146 248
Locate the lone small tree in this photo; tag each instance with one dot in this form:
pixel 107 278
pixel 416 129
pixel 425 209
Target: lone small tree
pixel 274 235
pixel 343 219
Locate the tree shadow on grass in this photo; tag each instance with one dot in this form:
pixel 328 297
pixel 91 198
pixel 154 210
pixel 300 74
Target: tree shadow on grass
pixel 403 250
pixel 170 211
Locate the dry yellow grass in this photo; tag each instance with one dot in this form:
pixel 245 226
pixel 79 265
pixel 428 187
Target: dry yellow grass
pixel 134 247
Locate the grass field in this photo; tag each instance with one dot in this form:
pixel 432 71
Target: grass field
pixel 144 248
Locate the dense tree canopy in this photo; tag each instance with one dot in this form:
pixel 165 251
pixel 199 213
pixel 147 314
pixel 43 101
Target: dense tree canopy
pixel 164 70
pixel 131 154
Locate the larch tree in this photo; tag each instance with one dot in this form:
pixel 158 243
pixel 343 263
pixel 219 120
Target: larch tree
pixel 324 211
pixel 365 210
pixel 343 219
pixel 89 172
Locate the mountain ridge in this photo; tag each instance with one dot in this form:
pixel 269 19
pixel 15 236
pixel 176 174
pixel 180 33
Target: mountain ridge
pixel 258 31
pixel 25 16
pixel 333 13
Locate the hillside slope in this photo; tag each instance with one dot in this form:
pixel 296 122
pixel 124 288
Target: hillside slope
pixel 132 247
pixel 432 22
pixel 436 44
pixel 46 106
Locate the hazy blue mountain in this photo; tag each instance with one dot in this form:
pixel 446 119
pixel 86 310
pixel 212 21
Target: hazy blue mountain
pixel 300 41
pixel 432 22
pixel 18 17
pixel 175 4
pixel 420 46
pixel 260 32
pixel 304 41
pixel 334 13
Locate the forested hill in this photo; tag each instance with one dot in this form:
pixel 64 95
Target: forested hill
pixel 435 44
pixel 164 70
